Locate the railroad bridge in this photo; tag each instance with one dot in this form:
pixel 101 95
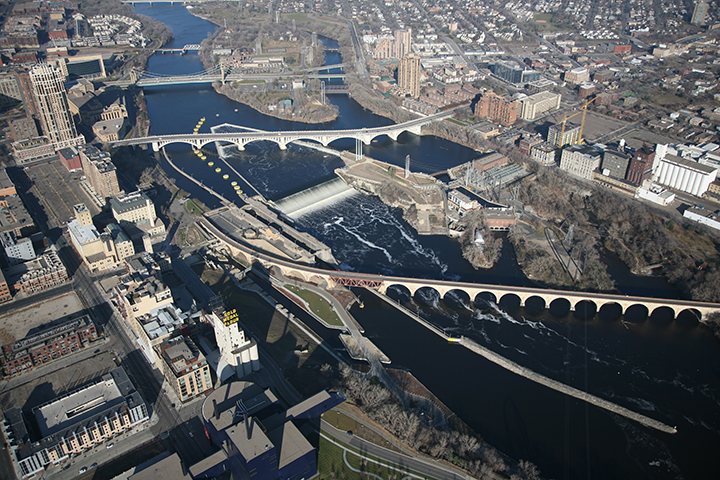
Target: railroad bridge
pixel 473 292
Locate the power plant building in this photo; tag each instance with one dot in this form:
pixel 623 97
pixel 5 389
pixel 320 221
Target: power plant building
pixel 533 106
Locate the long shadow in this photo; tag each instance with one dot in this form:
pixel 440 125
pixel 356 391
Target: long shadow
pixel 141 375
pixel 42 393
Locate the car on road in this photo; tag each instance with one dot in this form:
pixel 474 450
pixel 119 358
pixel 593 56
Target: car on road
pixel 191 434
pixel 82 470
pixel 110 446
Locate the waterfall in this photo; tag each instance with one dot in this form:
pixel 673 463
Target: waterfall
pixel 314 198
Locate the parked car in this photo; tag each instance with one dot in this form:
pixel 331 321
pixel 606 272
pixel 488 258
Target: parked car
pixel 82 470
pixel 110 446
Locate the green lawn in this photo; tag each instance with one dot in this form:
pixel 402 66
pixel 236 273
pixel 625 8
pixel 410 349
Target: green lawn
pixel 331 464
pixel 318 305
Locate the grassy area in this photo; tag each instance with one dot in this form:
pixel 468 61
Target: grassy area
pixel 668 100
pixel 192 208
pixel 457 122
pixel 318 305
pixel 331 464
pixel 542 17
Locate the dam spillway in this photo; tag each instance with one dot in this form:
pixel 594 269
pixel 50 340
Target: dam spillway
pixel 314 198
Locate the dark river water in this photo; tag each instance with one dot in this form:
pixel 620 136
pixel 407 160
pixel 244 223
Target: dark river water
pixel 667 370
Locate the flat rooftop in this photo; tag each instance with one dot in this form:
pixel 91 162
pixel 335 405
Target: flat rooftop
pixel 79 405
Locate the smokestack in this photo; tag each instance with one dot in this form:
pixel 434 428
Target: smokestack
pixel 248 426
pixel 216 412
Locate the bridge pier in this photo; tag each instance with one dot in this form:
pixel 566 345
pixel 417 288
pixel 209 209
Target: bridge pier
pixel 155 146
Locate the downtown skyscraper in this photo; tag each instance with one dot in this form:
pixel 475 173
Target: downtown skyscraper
pixel 53 109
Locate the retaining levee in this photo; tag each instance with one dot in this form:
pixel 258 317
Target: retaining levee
pixel 562 388
pixel 530 374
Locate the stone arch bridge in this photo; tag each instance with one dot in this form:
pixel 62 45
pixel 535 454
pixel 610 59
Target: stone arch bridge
pixel 473 292
pixel 325 137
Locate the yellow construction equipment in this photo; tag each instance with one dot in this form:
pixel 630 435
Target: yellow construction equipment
pixel 582 123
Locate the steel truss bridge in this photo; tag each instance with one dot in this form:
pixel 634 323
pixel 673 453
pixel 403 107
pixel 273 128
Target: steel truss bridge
pixel 324 137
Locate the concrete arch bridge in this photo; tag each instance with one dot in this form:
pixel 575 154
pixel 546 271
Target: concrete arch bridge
pixel 324 137
pixel 470 292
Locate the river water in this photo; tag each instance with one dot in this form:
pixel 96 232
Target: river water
pixel 668 370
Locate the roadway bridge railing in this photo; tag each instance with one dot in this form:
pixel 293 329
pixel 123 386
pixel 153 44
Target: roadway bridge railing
pixel 324 137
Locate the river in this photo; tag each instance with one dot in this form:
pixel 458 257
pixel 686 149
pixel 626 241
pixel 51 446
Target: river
pixel 669 371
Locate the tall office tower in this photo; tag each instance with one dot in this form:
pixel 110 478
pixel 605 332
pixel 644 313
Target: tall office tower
pixel 409 75
pixel 52 103
pixel 698 16
pixel 403 42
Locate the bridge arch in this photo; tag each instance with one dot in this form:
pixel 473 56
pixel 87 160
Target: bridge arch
pixel 610 311
pixel 510 301
pixel 485 298
pixel 662 315
pixel 688 317
pixel 399 292
pixel 560 307
pixel 585 309
pixel 535 304
pixel 636 313
pixel 428 296
pixel 457 298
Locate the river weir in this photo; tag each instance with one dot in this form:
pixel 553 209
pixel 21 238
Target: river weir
pixel 314 198
pixel 530 374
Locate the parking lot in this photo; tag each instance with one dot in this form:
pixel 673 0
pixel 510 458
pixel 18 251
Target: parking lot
pixel 58 190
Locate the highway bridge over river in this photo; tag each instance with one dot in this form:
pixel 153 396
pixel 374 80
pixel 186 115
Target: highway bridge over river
pixel 325 137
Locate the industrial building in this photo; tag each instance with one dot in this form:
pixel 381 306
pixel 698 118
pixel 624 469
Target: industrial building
pixel 238 355
pixel 615 163
pixel 577 75
pixel 99 251
pixel 580 161
pixel 684 175
pixel 76 422
pixel 514 73
pixel 535 105
pixel 135 213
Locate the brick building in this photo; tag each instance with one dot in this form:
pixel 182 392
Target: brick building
pixel 48 344
pixel 493 107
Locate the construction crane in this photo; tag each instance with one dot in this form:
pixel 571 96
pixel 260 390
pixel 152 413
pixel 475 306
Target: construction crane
pixel 582 123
